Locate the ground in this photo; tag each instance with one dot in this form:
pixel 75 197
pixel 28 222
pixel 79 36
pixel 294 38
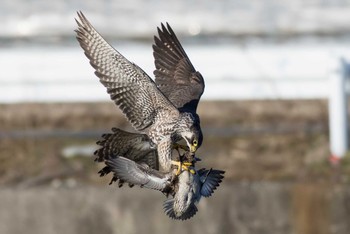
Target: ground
pixel 251 140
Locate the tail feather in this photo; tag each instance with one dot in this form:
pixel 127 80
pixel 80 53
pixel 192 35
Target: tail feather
pixel 168 207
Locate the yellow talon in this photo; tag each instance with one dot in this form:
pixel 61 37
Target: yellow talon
pixel 179 166
pixel 187 168
pixel 182 167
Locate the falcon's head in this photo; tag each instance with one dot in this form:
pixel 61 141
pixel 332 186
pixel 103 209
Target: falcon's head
pixel 191 131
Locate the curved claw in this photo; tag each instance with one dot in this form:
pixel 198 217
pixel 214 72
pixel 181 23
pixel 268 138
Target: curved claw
pixel 188 164
pixel 185 166
pixel 188 168
pixel 179 167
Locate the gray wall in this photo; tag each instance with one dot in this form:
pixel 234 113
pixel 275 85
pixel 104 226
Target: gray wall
pixel 241 208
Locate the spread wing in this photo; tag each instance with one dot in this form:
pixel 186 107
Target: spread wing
pixel 127 84
pixel 210 179
pixel 168 207
pixel 175 75
pixel 138 174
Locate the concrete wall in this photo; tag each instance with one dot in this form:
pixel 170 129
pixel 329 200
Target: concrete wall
pixel 241 208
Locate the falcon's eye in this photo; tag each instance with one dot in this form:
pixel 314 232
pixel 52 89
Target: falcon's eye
pixel 195 142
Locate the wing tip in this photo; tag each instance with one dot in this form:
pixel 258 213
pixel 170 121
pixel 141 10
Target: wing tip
pixel 212 180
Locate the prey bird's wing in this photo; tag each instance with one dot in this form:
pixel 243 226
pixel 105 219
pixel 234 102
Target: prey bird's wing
pixel 132 90
pixel 131 172
pixel 210 180
pixel 175 75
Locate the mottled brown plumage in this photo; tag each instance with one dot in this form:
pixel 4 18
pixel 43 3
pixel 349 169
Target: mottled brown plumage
pixel 136 94
pixel 175 75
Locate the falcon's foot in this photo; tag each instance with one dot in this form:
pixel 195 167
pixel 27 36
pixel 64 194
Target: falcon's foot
pixel 185 166
pixel 178 164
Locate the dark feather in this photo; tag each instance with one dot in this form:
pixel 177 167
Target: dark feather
pixel 128 145
pixel 190 212
pixel 210 179
pixel 168 207
pixel 175 75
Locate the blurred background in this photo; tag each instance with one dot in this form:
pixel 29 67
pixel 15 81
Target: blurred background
pixel 268 67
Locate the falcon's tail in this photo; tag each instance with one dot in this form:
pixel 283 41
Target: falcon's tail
pixel 134 146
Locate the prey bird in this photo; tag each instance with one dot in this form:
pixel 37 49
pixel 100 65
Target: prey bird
pixel 132 159
pixel 164 110
pixel 187 189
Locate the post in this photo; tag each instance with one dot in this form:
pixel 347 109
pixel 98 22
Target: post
pixel 338 124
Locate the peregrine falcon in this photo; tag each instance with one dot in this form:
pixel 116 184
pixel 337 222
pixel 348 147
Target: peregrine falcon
pixel 186 190
pixel 145 105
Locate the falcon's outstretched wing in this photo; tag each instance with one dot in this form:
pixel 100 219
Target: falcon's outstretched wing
pixel 175 75
pixel 210 179
pixel 138 174
pixel 127 84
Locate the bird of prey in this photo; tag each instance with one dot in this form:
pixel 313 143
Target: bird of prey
pixel 186 190
pixel 166 120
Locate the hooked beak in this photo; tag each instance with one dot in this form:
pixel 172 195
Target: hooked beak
pixel 193 148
